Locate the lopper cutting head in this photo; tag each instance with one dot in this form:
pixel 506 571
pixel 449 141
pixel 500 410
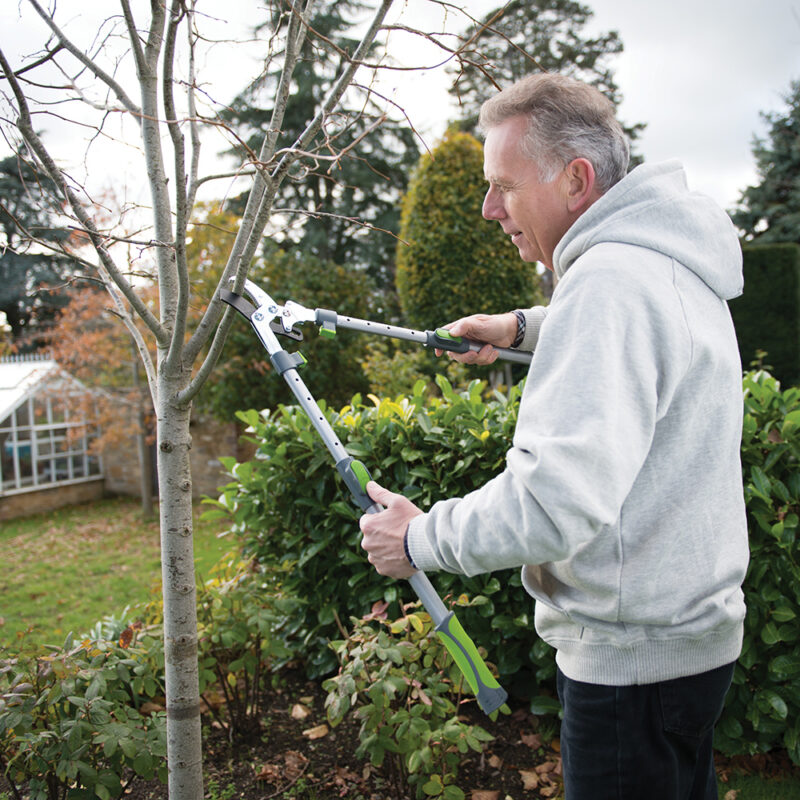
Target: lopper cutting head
pixel 288 315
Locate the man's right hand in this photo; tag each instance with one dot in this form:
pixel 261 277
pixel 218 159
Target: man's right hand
pixel 493 329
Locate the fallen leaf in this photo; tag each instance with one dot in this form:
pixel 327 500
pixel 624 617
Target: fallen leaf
pixel 294 764
pixel 545 767
pixel 270 773
pixel 556 745
pixel 150 708
pixel 308 700
pixel 317 732
pixel 495 761
pixel 548 791
pixel 299 711
pixel 345 774
pixel 532 740
pixel 732 794
pixel 485 794
pixel 530 780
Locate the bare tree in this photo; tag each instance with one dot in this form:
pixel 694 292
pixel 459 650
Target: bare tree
pixel 158 50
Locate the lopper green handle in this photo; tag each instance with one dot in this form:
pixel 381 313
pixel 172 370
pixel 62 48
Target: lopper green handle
pixel 491 696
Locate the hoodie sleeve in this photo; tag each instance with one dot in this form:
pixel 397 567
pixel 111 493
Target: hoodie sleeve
pixel 534 317
pixel 612 349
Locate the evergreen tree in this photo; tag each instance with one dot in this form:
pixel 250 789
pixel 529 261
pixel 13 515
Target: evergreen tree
pixel 452 262
pixel 770 211
pixel 31 275
pixel 524 37
pixel 364 185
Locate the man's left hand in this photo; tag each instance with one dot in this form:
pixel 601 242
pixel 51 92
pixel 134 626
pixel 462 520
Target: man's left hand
pixel 384 533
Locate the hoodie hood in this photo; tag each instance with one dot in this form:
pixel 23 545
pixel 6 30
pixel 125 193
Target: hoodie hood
pixel 652 207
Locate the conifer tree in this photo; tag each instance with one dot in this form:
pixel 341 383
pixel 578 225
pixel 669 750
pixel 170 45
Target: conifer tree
pixel 770 211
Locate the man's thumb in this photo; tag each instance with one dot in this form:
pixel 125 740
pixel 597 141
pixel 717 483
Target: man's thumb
pixel 378 493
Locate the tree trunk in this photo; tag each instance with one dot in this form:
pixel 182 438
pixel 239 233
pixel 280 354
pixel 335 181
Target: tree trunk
pixel 145 465
pixel 180 610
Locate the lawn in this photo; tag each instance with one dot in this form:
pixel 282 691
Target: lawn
pixel 65 570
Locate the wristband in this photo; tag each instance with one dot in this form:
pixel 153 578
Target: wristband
pixel 520 328
pixel 408 552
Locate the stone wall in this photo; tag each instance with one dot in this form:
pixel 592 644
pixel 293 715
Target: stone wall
pixel 39 500
pixel 210 440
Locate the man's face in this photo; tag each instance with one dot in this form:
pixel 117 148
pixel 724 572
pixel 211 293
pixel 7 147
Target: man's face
pixel 534 214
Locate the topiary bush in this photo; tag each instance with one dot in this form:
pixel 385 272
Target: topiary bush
pixel 762 711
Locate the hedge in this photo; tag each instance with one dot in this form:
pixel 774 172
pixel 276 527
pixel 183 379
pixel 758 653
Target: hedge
pixel 767 315
pixel 289 508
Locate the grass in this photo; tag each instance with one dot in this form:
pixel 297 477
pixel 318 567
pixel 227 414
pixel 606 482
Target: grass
pixel 65 570
pixel 753 787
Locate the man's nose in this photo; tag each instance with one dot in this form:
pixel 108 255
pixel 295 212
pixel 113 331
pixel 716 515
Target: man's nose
pixel 493 205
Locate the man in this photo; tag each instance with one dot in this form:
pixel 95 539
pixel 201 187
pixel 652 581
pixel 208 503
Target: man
pixel 622 497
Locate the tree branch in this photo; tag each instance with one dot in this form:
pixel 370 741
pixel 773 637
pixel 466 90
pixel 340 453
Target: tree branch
pixel 146 72
pixel 120 93
pixel 179 165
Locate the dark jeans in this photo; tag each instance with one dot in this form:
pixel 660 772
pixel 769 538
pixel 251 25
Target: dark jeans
pixel 650 742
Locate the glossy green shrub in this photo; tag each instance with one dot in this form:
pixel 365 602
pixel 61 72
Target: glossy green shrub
pixel 73 721
pixel 241 611
pixel 401 685
pixel 763 707
pixel 290 507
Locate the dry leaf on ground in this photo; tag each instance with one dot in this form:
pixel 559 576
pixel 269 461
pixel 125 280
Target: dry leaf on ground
pixel 316 732
pixel 530 779
pixel 299 711
pixel 532 740
pixel 485 794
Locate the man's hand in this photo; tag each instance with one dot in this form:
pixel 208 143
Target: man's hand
pixel 499 330
pixel 384 533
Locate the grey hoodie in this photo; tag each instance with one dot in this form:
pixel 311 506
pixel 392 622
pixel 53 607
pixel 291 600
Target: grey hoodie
pixel 622 495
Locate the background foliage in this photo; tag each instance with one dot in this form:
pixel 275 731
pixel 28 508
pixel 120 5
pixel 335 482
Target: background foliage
pixel 330 202
pixel 32 279
pixel 769 211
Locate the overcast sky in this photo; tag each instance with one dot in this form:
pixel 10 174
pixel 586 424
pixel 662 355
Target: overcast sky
pixel 698 72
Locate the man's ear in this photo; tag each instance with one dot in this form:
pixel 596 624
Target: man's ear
pixel 581 185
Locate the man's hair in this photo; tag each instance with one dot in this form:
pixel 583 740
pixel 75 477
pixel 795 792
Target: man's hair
pixel 567 119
